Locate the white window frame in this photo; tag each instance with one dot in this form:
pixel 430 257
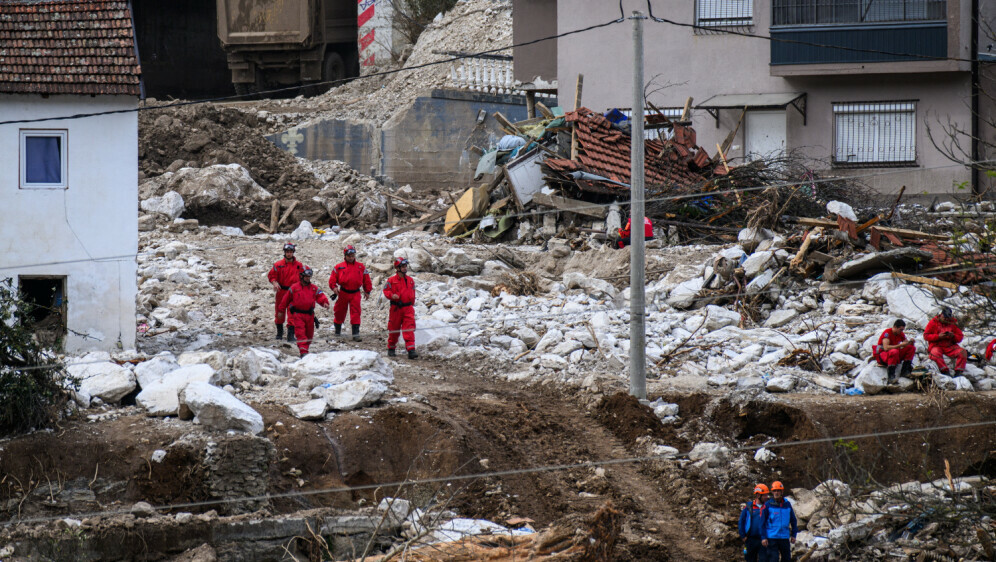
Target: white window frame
pixel 871 141
pixel 707 13
pixel 63 135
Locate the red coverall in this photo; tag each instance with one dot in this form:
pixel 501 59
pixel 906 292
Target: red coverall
pixel 302 300
pixel 624 233
pixel 402 316
pixel 939 347
pixel 896 356
pixel 286 274
pixel 350 277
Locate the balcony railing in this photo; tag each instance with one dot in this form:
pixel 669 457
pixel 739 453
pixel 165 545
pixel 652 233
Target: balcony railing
pixel 851 12
pixel 857 31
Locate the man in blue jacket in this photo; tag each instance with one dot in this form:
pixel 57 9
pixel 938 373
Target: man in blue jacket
pixel 750 526
pixel 778 525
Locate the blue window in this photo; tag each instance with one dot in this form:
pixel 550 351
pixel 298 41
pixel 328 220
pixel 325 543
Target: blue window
pixel 43 159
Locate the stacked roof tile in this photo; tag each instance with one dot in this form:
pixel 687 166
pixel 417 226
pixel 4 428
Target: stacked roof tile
pixel 68 47
pixel 605 150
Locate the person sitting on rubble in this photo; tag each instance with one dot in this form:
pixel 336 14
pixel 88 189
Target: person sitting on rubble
pixel 778 525
pixel 750 525
pixel 943 336
pixel 626 233
pixel 894 349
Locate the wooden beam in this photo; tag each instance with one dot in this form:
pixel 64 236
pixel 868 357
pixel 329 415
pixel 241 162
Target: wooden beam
pixel 728 141
pixel 531 103
pixel 544 111
pixel 810 236
pixel 686 112
pixel 570 205
pixel 410 203
pixel 290 209
pixel 274 216
pixel 900 232
pixel 926 281
pixel 577 105
pixel 390 213
pixel 870 222
pixel 434 217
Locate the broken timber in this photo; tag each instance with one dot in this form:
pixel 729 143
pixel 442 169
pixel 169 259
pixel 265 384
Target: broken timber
pixel 901 232
pixel 570 205
pixel 290 209
pixel 926 281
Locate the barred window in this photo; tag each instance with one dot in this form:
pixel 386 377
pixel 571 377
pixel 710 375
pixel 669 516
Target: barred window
pixel 814 12
pixel 724 13
pixel 874 134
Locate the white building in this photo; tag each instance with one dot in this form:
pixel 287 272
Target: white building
pixel 69 185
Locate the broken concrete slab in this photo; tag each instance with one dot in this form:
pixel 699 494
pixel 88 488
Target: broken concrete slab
pixel 877 262
pixel 108 381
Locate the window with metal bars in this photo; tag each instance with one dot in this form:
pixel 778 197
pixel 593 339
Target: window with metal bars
pixel 724 13
pixel 874 134
pixel 815 12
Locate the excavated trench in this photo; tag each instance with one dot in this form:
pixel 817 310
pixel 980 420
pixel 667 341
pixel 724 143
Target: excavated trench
pixel 90 467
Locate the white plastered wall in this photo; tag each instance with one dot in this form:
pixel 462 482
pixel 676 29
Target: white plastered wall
pixel 88 232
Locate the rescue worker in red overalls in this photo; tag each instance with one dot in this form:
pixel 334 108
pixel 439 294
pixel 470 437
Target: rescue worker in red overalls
pixel 626 233
pixel 282 275
pixel 894 349
pixel 346 281
pixel 943 336
pixel 301 299
pixel 400 290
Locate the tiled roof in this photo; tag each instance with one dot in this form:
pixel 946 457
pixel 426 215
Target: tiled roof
pixel 67 47
pixel 605 151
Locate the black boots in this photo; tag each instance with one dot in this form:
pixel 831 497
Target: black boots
pixel 356 333
pixel 891 372
pixel 391 353
pixel 412 354
pixel 907 369
pixel 338 329
pixel 280 331
pixel 290 334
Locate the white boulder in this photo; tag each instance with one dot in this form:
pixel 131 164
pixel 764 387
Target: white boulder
pixel 780 317
pixel 336 367
pixel 153 370
pixel 432 333
pixel 872 378
pixel 350 395
pixel 914 304
pixel 108 381
pixel 310 410
pixel 783 383
pixel 713 454
pixel 216 409
pixel 169 205
pixel 161 398
pixel 683 296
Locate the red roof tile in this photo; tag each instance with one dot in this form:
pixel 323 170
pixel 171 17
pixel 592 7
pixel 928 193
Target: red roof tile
pixel 605 151
pixel 67 47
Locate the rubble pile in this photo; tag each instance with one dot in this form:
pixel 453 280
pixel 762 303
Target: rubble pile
pixel 911 520
pixel 212 166
pixel 470 26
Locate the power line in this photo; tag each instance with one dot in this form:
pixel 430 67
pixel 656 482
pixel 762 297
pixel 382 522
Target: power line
pixel 498 473
pixel 535 213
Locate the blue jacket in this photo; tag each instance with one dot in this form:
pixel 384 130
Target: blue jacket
pixel 750 521
pixel 778 521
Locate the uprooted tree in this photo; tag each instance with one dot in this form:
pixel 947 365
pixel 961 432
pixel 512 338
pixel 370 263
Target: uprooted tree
pixel 34 388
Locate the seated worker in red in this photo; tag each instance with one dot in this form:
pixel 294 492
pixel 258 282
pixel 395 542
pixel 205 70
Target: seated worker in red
pixel 894 349
pixel 301 299
pixel 400 290
pixel 943 336
pixel 346 281
pixel 625 233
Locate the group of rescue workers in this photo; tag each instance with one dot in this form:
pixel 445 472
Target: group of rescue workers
pixel 943 336
pixel 297 297
pixel 768 526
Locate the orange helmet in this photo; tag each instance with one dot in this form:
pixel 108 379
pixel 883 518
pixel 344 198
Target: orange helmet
pixel 776 485
pixel 761 489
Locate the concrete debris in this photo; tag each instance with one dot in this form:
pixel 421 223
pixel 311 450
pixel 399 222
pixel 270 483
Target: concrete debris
pixel 106 381
pixel 350 395
pixel 216 409
pixel 161 397
pixel 170 205
pixel 310 410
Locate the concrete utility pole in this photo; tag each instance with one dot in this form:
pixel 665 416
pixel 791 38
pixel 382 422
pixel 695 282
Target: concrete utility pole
pixel 637 308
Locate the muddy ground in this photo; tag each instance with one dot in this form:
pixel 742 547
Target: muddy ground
pixel 466 424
